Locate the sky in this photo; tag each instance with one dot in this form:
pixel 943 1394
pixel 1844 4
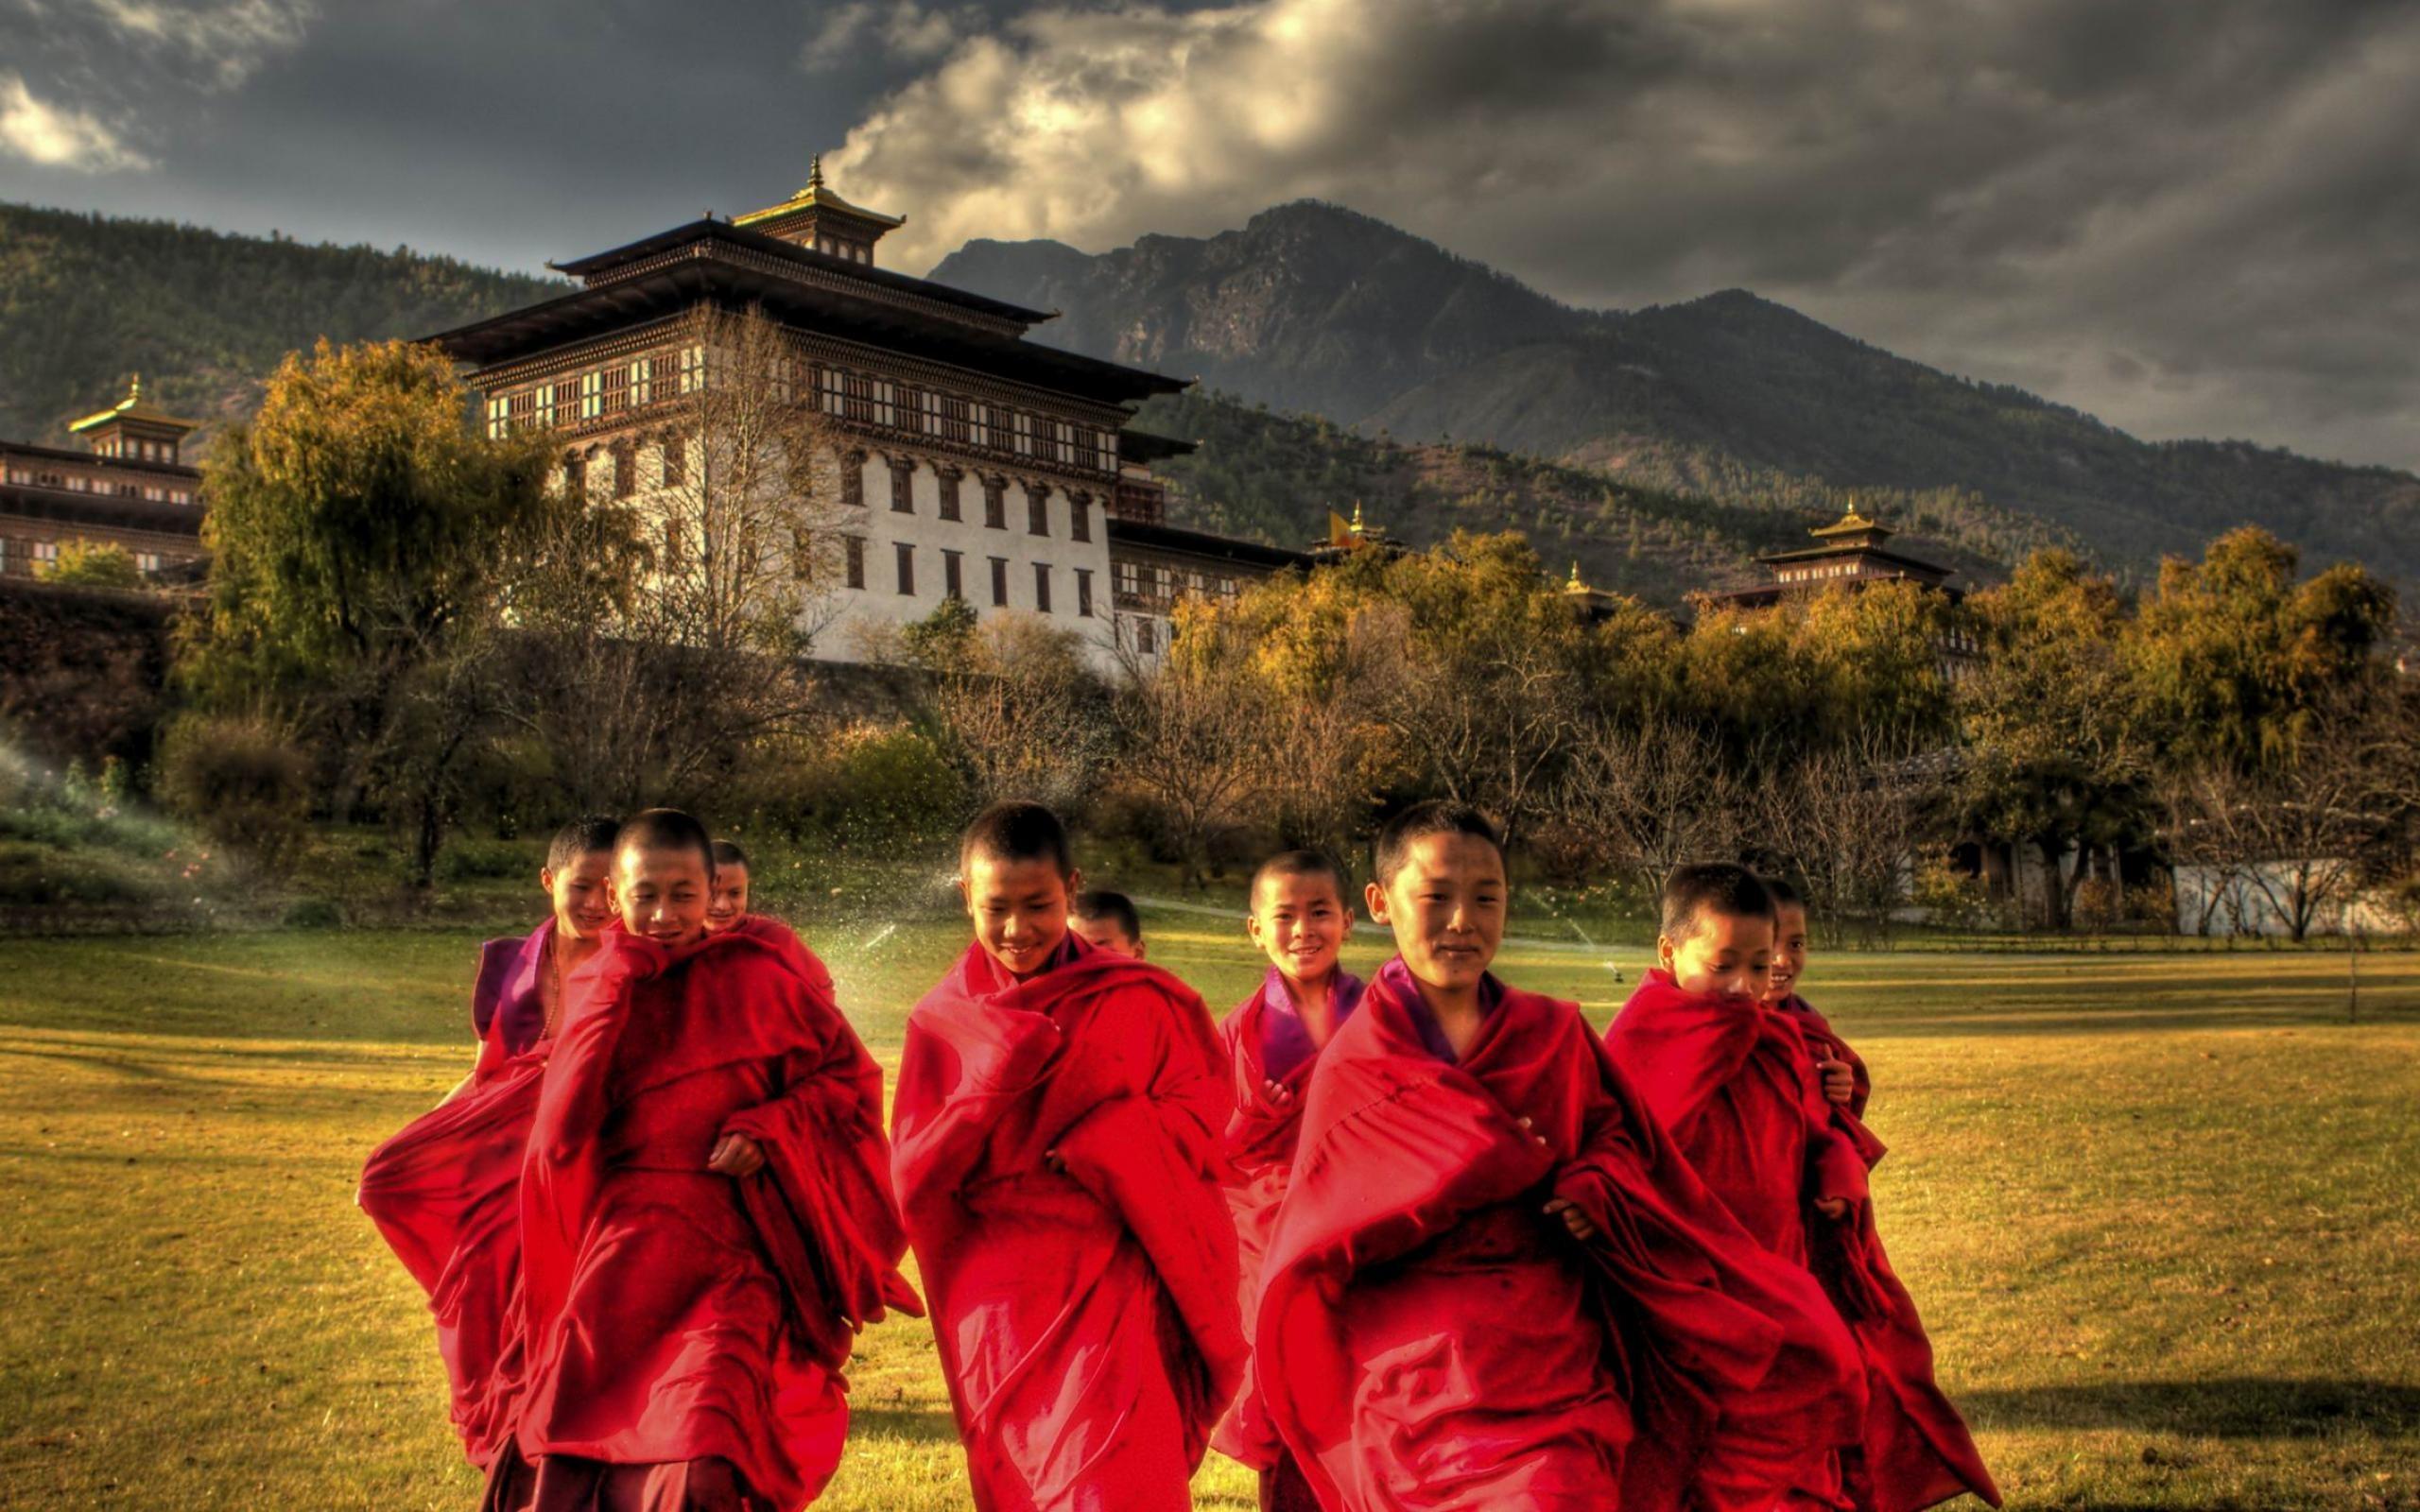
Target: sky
pixel 2190 217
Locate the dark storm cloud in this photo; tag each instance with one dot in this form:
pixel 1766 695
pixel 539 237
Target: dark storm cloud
pixel 2190 216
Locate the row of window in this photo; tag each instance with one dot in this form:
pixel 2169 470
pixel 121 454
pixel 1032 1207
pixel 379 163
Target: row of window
pixel 1821 569
pixel 135 449
pixel 593 395
pixel 996 499
pixel 841 393
pixel 21 557
pixel 1164 584
pixel 82 482
pixel 954 418
pixel 953 576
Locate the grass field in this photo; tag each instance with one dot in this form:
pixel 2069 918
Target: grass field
pixel 2161 1213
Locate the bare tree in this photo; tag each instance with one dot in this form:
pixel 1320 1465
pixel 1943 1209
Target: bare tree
pixel 1649 796
pixel 1845 818
pixel 2304 835
pixel 670 629
pixel 1488 713
pixel 1025 714
pixel 1198 733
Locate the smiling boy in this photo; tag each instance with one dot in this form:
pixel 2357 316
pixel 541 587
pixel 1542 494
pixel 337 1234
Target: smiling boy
pixel 1732 1080
pixel 1057 1155
pixel 1915 1450
pixel 726 903
pixel 705 1212
pixel 1300 919
pixel 1493 1283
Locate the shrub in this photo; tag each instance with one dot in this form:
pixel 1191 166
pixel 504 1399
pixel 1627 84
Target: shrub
pixel 241 781
pixel 39 877
pixel 893 788
pixel 313 912
pixel 487 860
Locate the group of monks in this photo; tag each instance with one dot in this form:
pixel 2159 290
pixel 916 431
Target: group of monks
pixel 1427 1242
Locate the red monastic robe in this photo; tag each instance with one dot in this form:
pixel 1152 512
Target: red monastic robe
pixel 1086 1319
pixel 673 1314
pixel 1260 1145
pixel 444 1191
pixel 444 1194
pixel 1916 1450
pixel 1429 1338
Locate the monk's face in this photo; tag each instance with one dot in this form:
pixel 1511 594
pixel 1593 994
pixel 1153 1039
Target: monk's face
pixel 1789 950
pixel 1724 954
pixel 728 903
pixel 1445 904
pixel 583 894
pixel 1107 933
pixel 664 892
pixel 1018 906
pixel 1300 923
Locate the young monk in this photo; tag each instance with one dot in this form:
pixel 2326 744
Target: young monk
pixel 444 1193
pixel 1108 921
pixel 1057 1130
pixel 1301 920
pixel 706 1210
pixel 1733 1081
pixel 1915 1450
pixel 1495 1283
pixel 729 903
pixel 517 999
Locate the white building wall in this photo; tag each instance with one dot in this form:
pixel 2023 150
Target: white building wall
pixel 880 608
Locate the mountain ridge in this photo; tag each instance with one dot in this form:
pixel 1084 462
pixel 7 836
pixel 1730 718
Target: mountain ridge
pixel 1316 308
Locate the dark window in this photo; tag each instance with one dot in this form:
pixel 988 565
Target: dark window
pixel 856 547
pixel 949 495
pixel 1143 636
pixel 907 567
pixel 1083 592
pixel 853 479
pixel 995 505
pixel 1000 581
pixel 576 473
pixel 1042 587
pixel 626 469
pixel 953 584
pixel 1037 511
pixel 903 475
pixel 676 463
pixel 1080 516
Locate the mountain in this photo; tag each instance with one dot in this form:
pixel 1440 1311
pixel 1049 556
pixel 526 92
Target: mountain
pixel 205 317
pixel 1316 309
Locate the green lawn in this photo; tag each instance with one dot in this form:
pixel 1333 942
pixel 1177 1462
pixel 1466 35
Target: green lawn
pixel 2160 1212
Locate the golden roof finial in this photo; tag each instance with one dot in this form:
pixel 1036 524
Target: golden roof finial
pixel 815 172
pixel 1357 517
pixel 1575 585
pixel 135 390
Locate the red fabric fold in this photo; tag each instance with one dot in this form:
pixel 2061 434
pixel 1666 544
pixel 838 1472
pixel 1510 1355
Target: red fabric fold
pixel 673 1314
pixel 1259 1147
pixel 1085 1318
pixel 444 1193
pixel 1429 1338
pixel 1916 1450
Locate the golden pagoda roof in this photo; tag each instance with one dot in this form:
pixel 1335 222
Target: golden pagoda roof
pixel 818 196
pixel 1573 584
pixel 132 407
pixel 1852 523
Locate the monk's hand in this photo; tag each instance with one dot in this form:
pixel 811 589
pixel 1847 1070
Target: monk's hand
pixel 1832 1208
pixel 1055 1161
pixel 1573 1219
pixel 736 1154
pixel 1278 1093
pixel 1840 1080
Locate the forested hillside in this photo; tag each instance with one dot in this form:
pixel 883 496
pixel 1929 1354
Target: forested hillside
pixel 1274 477
pixel 87 301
